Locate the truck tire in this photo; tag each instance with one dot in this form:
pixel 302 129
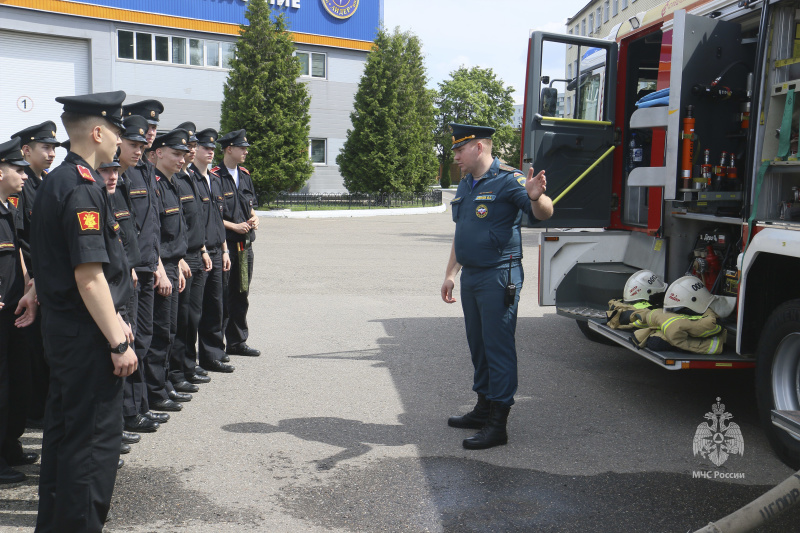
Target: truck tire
pixel 592 335
pixel 778 377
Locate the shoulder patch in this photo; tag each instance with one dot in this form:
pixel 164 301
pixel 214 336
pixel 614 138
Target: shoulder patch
pixel 14 201
pixel 244 170
pixel 89 221
pixel 85 173
pixel 215 170
pixel 522 180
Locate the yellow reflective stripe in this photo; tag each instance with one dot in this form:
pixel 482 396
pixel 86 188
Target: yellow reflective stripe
pixel 640 324
pixel 668 323
pixel 642 305
pixel 577 121
pixel 711 332
pixel 714 346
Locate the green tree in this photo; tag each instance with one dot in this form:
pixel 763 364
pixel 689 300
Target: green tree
pixel 263 95
pixel 476 96
pixel 390 147
pixel 445 181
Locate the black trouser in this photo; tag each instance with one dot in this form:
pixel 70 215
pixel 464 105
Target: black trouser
pixel 40 372
pixel 211 345
pixel 235 322
pixel 165 325
pixel 183 355
pixel 15 382
pixel 140 312
pixel 83 429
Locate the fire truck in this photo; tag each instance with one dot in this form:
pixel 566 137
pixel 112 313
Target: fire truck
pixel 676 152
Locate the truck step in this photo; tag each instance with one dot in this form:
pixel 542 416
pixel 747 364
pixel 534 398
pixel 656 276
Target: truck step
pixel 787 420
pixel 674 360
pixel 581 312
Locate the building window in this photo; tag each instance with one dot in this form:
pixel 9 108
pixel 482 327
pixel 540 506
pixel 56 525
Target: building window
pixel 212 53
pixel 144 46
pixel 591 23
pixel 606 10
pixel 311 64
pixel 569 71
pixel 317 152
pixel 196 52
pixel 583 27
pixel 615 8
pixel 624 4
pixel 228 52
pixel 597 18
pixel 162 48
pixel 570 32
pixel 125 44
pixel 179 50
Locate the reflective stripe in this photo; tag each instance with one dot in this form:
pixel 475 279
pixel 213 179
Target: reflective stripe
pixel 714 346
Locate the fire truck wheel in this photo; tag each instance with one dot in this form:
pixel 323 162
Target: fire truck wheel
pixel 778 377
pixel 593 335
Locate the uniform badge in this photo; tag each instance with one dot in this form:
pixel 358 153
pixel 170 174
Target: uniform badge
pixel 122 214
pixel 14 201
pixel 85 173
pixel 521 180
pixel 481 211
pixel 89 221
pixel 6 245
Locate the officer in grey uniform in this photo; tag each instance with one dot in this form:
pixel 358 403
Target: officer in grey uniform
pixel 487 249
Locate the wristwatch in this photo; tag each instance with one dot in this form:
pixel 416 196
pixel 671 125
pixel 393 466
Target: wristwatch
pixel 122 348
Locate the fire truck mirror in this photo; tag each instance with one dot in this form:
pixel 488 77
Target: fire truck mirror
pixel 549 102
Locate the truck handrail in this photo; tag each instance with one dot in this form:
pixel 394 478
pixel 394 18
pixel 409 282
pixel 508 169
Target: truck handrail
pixel 539 118
pixel 585 172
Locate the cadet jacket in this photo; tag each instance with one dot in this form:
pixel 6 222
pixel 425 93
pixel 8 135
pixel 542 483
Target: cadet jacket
pixel 74 225
pixel 173 227
pixel 192 208
pixel 141 185
pixel 696 334
pixel 238 201
pixel 123 213
pixel 213 207
pixel 11 279
pixel 617 307
pixel 487 216
pixel 24 205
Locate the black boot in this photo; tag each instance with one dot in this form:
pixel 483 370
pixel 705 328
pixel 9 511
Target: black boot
pixel 493 433
pixel 475 419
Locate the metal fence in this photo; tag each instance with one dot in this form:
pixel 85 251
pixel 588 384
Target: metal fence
pixel 359 201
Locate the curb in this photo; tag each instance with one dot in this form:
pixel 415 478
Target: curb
pixel 352 213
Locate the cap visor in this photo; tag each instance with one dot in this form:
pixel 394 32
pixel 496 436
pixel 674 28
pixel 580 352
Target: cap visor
pixel 17 162
pixel 135 138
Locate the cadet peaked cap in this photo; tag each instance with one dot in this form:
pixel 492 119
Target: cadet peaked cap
pixel 234 138
pixel 11 152
pixel 149 109
pixel 135 128
pixel 106 105
pixel 207 137
pixel 176 139
pixel 191 128
pixel 113 164
pixel 464 133
pixel 66 145
pixel 41 133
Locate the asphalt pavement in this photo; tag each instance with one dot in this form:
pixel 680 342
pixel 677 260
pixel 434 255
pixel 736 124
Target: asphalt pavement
pixel 341 424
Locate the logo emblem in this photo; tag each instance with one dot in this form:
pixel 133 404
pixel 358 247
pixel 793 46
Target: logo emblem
pixel 89 220
pixel 14 201
pixel 141 131
pixel 481 211
pixel 341 9
pixel 85 173
pixel 152 113
pixel 716 440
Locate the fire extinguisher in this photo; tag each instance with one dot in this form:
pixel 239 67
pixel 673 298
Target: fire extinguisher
pixel 688 147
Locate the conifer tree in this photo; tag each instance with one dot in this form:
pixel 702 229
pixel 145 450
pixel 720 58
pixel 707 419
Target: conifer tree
pixel 391 147
pixel 263 96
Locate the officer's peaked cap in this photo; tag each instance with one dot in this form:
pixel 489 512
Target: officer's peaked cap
pixel 106 105
pixel 149 109
pixel 464 133
pixel 11 152
pixel 176 139
pixel 234 138
pixel 135 128
pixel 207 137
pixel 41 133
pixel 191 128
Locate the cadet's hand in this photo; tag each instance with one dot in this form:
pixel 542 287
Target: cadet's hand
pixel 164 285
pixel 207 266
pixel 156 277
pixel 181 281
pixel 27 304
pixel 447 291
pixel 134 277
pixel 125 364
pixel 535 185
pixel 2 305
pixel 253 221
pixel 242 228
pixel 184 268
pixel 126 329
pixel 226 262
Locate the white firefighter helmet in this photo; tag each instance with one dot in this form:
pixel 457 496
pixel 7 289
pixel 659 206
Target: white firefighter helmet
pixel 642 285
pixel 689 292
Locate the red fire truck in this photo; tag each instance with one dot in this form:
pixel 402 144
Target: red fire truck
pixel 676 152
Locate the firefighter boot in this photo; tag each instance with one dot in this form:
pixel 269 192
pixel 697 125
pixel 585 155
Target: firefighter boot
pixel 475 419
pixel 493 433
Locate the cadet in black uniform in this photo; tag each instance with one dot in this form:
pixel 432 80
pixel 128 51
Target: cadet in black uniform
pixel 75 240
pixel 487 211
pixel 140 183
pixel 211 344
pixel 183 354
pixel 39 145
pixel 14 364
pixel 170 149
pixel 241 224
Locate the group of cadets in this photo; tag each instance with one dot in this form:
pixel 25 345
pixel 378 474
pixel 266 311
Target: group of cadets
pixel 137 256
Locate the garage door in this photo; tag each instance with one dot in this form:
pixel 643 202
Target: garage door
pixel 37 68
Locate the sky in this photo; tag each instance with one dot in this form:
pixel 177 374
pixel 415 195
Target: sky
pixel 479 33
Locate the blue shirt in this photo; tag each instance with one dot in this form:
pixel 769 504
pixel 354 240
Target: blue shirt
pixel 488 217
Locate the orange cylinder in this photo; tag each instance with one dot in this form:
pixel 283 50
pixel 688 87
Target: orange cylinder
pixel 688 147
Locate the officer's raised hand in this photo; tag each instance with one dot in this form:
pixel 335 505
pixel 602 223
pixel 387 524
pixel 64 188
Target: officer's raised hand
pixel 535 185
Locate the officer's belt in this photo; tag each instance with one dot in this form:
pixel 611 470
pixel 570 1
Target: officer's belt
pixel 514 263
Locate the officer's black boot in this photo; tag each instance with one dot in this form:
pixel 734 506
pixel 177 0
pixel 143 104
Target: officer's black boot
pixel 493 433
pixel 475 419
